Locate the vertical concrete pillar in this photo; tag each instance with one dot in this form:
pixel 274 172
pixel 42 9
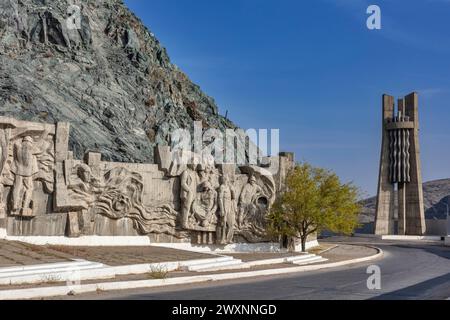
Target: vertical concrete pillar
pixel 401 187
pixel 415 212
pixel 384 221
pixel 62 141
pixel 402 209
pixel 93 160
pixel 61 155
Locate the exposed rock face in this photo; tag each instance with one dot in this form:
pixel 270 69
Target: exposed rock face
pixel 111 78
pixel 436 196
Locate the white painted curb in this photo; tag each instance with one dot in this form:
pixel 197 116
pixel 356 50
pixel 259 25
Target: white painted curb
pixel 412 238
pixel 108 286
pixel 427 239
pixel 48 266
pixel 366 235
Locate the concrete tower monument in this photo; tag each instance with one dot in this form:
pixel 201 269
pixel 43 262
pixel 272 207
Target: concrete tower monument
pixel 400 170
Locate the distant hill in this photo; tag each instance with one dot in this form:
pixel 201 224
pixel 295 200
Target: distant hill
pixel 436 197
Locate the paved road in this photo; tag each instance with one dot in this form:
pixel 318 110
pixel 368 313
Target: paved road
pixel 409 271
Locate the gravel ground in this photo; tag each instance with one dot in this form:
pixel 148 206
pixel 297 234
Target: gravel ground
pixel 19 254
pixel 119 256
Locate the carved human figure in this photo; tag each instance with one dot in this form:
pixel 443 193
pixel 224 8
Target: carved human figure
pixel 202 175
pixel 205 205
pixel 2 202
pixel 227 211
pixel 88 186
pixel 188 193
pixel 4 141
pixel 249 194
pixel 24 167
pixel 213 176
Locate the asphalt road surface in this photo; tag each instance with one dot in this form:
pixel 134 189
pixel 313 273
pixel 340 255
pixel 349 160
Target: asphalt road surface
pixel 408 271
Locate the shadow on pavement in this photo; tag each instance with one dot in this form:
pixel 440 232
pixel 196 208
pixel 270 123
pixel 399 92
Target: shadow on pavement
pixel 440 286
pixel 433 249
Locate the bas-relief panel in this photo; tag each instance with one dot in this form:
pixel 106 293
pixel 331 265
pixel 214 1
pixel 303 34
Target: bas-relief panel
pixel 204 202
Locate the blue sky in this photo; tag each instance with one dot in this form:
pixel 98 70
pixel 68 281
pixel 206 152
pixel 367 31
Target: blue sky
pixel 314 70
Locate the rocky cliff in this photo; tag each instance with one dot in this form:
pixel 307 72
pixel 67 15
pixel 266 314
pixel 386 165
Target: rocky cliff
pixel 109 77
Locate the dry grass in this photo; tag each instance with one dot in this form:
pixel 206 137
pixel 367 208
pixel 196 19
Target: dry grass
pixel 320 249
pixel 158 272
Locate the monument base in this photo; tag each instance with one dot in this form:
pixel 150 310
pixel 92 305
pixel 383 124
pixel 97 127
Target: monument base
pixel 235 247
pixel 139 241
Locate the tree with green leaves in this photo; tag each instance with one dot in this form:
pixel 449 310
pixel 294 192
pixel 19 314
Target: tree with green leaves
pixel 314 200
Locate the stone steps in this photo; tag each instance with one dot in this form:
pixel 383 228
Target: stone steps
pixel 46 272
pixel 237 264
pixel 217 266
pixel 218 260
pixel 299 258
pixel 310 259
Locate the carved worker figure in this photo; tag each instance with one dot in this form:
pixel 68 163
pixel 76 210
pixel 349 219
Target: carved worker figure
pixel 249 194
pixel 227 211
pixel 205 205
pixel 24 167
pixel 188 193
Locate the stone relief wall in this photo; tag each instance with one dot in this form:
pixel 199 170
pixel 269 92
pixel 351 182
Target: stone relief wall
pixel 26 162
pixel 45 192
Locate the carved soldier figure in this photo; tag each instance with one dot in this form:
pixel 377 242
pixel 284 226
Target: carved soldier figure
pixel 248 196
pixel 188 193
pixel 206 204
pixel 25 166
pixel 227 211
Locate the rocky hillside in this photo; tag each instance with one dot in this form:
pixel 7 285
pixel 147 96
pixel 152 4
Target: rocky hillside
pixel 111 78
pixel 436 197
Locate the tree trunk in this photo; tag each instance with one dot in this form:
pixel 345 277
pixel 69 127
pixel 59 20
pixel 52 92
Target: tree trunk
pixel 304 238
pixel 291 244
